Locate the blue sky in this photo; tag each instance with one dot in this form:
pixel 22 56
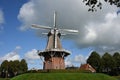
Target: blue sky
pixel 11 24
pixel 18 40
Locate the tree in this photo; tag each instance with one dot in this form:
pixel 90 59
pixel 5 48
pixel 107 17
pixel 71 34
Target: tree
pixel 108 63
pixel 13 68
pixel 23 66
pixel 16 67
pixel 95 61
pixel 4 68
pixel 93 4
pixel 0 71
pixel 116 57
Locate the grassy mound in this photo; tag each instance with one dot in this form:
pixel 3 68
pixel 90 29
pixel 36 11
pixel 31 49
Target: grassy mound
pixel 63 76
pixel 118 77
pixel 4 79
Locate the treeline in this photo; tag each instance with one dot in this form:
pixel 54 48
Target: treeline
pixel 107 63
pixel 12 68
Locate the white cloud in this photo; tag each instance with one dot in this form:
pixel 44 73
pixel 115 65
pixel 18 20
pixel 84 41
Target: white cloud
pixel 32 55
pixel 13 55
pixel 90 35
pixel 68 63
pixel 77 59
pixel 95 29
pixel 26 15
pixel 104 35
pixel 41 12
pixel 80 59
pixel 33 59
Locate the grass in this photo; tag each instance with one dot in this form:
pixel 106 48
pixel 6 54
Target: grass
pixel 4 79
pixel 118 77
pixel 63 76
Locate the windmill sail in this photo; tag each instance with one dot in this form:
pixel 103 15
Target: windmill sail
pixel 40 27
pixel 69 30
pixel 54 19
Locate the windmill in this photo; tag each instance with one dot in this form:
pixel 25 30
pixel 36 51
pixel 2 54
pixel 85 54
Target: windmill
pixel 54 54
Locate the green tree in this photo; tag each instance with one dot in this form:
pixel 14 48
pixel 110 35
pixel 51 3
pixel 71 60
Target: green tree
pixel 23 66
pixel 93 4
pixel 12 68
pixel 116 57
pixel 95 61
pixel 4 68
pixel 0 71
pixel 16 67
pixel 108 63
pixel 0 68
pixel 4 65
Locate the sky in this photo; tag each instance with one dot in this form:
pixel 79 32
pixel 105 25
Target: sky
pixel 98 31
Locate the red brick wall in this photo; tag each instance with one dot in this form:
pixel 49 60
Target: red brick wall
pixel 54 63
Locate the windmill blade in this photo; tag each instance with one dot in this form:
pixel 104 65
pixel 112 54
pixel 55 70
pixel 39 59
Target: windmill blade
pixel 69 33
pixel 63 34
pixel 69 30
pixel 45 33
pixel 40 26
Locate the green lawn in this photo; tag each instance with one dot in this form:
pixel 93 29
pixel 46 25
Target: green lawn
pixel 63 76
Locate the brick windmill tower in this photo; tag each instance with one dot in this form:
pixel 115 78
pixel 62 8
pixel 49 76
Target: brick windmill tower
pixel 54 54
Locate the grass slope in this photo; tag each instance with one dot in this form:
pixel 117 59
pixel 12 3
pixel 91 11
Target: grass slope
pixel 63 76
pixel 4 79
pixel 118 77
